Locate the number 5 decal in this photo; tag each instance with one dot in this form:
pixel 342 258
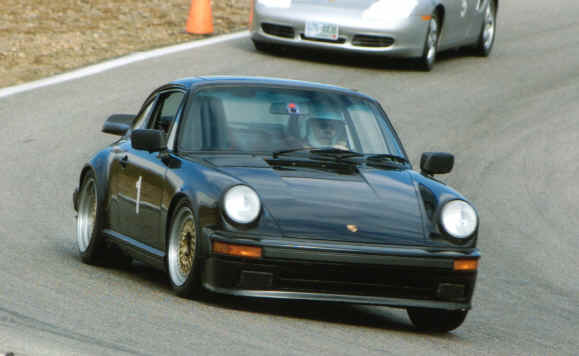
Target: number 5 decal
pixel 138 186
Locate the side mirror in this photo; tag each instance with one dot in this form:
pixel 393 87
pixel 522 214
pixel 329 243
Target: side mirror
pixel 436 163
pixel 118 124
pixel 148 140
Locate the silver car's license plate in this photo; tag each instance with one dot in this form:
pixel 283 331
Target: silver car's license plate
pixel 321 30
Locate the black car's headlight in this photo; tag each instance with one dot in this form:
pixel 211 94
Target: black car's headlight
pixel 241 204
pixel 458 219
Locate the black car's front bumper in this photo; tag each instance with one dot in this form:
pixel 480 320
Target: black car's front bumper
pixel 340 272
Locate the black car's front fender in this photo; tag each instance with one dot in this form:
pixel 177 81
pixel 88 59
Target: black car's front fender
pixel 433 195
pixel 204 188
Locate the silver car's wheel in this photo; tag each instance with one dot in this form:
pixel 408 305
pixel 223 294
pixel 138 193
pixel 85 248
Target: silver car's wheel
pixel 431 44
pixel 488 31
pixel 182 251
pixel 88 235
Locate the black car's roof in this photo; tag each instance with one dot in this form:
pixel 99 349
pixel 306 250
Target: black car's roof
pixel 194 81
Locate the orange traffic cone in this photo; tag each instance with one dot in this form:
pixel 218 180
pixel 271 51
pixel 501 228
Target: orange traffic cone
pixel 250 14
pixel 200 21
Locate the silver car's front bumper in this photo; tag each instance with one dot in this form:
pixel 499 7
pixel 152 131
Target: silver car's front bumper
pixel 403 37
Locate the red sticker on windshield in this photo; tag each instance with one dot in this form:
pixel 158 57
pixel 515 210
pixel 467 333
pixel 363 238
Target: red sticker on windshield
pixel 292 108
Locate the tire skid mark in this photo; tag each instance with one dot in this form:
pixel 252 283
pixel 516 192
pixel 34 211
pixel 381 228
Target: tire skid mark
pixel 11 318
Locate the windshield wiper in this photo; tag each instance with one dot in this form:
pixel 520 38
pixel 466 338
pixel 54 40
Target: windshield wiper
pixel 324 151
pixel 385 156
pixel 276 154
pixel 337 152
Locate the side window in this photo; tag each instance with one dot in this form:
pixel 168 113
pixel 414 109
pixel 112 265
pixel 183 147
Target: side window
pixel 142 118
pixel 166 111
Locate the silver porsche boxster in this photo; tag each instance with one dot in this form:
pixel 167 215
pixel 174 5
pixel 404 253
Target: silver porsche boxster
pixel 397 28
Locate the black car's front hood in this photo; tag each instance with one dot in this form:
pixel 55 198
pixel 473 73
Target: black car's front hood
pixel 382 205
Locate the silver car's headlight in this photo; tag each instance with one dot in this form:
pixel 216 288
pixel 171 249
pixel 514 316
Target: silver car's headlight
pixel 241 204
pixel 459 219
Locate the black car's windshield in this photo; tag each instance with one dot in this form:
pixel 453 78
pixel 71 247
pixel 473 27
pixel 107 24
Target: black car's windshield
pixel 271 120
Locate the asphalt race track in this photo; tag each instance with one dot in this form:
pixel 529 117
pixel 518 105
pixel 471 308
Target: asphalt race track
pixel 512 121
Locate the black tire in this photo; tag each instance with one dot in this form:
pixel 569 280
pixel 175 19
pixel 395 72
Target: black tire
pixel 426 62
pixel 262 46
pixel 89 239
pixel 436 320
pixel 183 250
pixel 488 31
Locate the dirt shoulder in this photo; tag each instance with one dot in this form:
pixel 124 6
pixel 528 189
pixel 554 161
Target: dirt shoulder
pixel 39 38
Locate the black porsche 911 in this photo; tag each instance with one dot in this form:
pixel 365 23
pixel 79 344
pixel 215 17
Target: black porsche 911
pixel 272 188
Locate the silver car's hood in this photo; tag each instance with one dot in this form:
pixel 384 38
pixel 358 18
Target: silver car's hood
pixel 343 12
pixel 339 4
pixel 336 10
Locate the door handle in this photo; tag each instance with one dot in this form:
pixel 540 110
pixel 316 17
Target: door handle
pixel 124 161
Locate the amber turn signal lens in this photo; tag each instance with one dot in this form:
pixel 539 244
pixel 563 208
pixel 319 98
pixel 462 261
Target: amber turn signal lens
pixel 236 250
pixel 426 17
pixel 465 265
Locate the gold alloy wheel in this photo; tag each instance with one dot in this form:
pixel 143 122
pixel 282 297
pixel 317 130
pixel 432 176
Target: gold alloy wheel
pixel 182 246
pixel 187 246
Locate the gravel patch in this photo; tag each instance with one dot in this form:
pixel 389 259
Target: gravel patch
pixel 40 38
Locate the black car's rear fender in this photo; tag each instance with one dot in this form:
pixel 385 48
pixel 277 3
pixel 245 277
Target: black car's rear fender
pixel 100 166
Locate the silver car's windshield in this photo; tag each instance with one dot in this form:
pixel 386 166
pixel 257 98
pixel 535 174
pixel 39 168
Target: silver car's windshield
pixel 269 119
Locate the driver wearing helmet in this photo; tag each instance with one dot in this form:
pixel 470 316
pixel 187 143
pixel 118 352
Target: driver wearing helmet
pixel 323 132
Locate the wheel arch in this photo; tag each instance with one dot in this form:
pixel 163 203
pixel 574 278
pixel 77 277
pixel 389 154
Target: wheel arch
pixel 175 201
pixel 99 166
pixel 99 178
pixel 85 170
pixel 172 206
pixel 193 183
pixel 197 212
pixel 440 13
